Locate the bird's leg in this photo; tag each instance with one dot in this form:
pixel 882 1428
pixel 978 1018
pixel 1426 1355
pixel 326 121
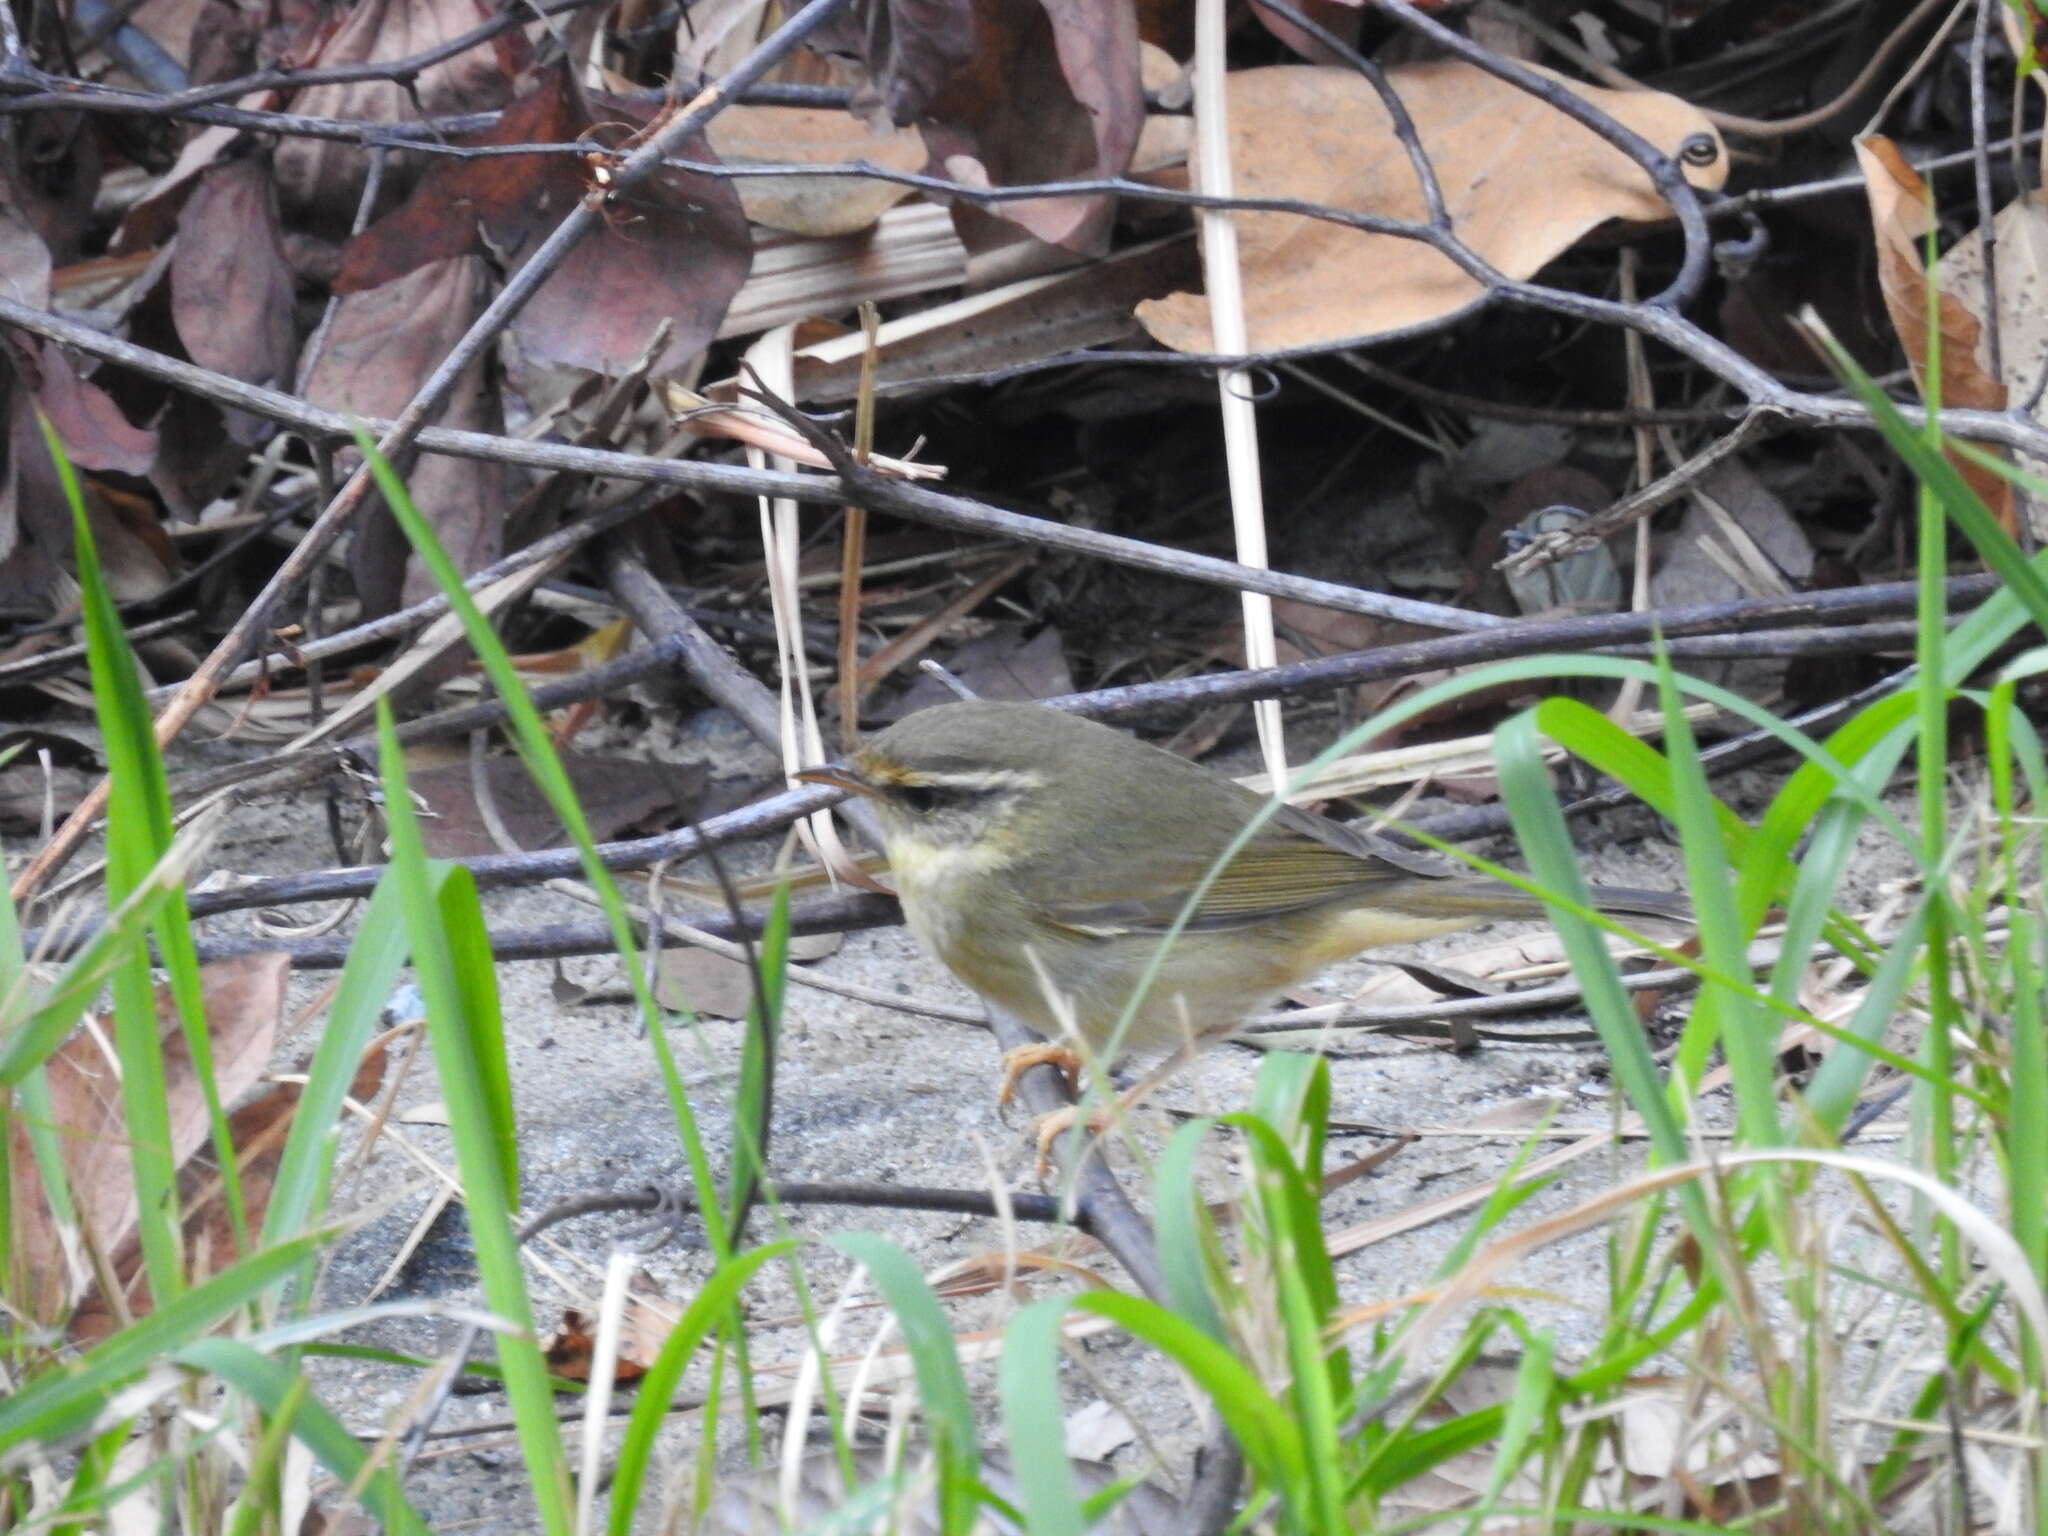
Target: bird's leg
pixel 1050 1127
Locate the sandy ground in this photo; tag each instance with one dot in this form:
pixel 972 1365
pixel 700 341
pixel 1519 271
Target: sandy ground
pixel 864 1094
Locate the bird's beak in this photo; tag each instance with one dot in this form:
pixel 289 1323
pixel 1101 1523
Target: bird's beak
pixel 838 775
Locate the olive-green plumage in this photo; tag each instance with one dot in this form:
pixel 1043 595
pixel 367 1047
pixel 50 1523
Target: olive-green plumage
pixel 1042 857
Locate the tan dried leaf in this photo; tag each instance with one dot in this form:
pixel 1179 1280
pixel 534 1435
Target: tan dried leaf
pixel 820 206
pixel 711 986
pixel 2021 231
pixel 1901 214
pixel 1521 182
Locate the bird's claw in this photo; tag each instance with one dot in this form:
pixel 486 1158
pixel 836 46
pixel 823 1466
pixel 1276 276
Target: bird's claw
pixel 1048 1128
pixel 1023 1058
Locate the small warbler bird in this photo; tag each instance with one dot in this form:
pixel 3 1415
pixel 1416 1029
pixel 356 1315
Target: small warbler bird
pixel 1042 857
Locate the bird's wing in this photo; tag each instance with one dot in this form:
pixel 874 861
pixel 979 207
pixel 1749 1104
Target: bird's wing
pixel 1281 871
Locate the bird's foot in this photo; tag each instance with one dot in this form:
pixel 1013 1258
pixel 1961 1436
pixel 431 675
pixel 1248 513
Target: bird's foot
pixel 1024 1057
pixel 1048 1129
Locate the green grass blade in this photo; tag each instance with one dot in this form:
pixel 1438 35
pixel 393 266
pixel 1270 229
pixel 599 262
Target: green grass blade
pixel 1747 1034
pixel 754 1098
pixel 537 752
pixel 1526 1408
pixel 374 961
pixel 272 1385
pixel 1191 1259
pixel 451 958
pixel 707 1309
pixel 942 1388
pixel 2026 1127
pixel 1554 864
pixel 1035 1420
pixel 54 1408
pixel 1831 1094
pixel 138 831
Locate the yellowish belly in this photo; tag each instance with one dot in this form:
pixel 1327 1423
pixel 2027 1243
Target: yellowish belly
pixel 1207 985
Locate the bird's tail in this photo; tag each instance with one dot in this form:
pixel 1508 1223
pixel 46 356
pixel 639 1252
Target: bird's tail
pixel 1478 900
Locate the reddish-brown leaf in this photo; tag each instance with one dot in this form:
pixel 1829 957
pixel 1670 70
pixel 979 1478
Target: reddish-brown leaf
pixel 244 1002
pixel 1052 94
pixel 675 249
pixel 1008 92
pixel 94 432
pixel 909 48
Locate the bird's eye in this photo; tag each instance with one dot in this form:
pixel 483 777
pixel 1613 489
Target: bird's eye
pixel 921 798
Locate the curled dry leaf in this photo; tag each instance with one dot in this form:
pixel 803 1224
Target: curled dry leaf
pixel 572 1352
pixel 1006 93
pixel 1521 183
pixel 232 290
pixel 820 206
pixel 35 524
pixel 675 249
pixel 383 345
pixel 49 177
pixel 1053 93
pixel 1901 214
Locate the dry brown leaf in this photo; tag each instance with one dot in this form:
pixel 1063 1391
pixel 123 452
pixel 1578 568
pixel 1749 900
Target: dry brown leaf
pixel 1051 94
pixel 1521 181
pixel 700 982
pixel 1001 664
pixel 383 345
pixel 49 177
pixel 35 527
pixel 244 1003
pixel 232 291
pixel 672 251
pixel 644 1326
pixel 2021 231
pixel 1901 214
pixel 819 206
pixel 321 180
pixel 910 49
pixel 617 793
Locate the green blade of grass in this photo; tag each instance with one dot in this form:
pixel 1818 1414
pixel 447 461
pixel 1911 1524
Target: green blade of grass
pixel 1191 1260
pixel 712 1303
pixel 374 960
pixel 1747 1035
pixel 1035 1420
pixel 942 1389
pixel 1554 863
pixel 273 1386
pixel 54 1408
pixel 452 959
pixel 537 752
pixel 753 1098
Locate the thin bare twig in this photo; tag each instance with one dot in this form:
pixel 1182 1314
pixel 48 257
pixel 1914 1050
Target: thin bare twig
pixel 1549 548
